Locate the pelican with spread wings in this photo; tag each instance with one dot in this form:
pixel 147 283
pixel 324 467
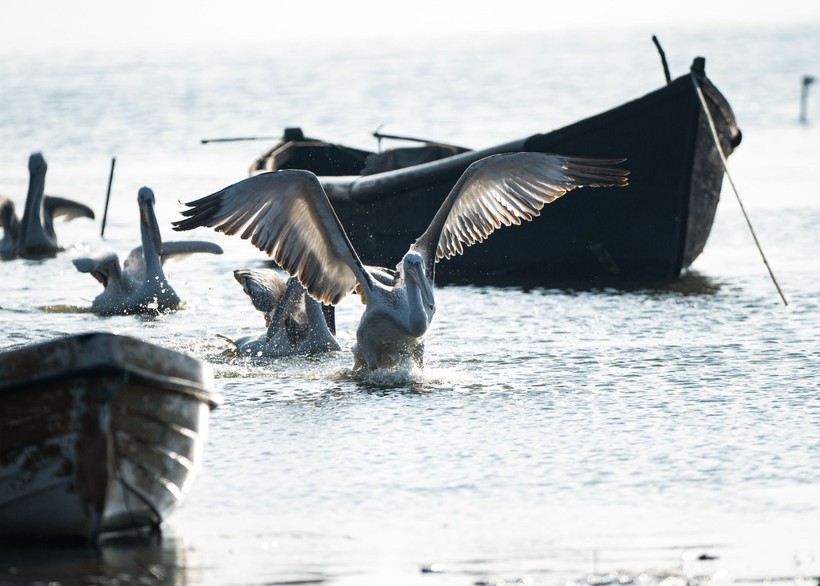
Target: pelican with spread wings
pixel 140 285
pixel 288 215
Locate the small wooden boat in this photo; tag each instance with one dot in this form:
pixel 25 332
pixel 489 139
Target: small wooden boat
pixel 651 230
pixel 99 433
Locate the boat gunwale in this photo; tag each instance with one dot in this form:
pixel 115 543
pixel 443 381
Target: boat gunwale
pixel 129 373
pixel 196 379
pixel 389 184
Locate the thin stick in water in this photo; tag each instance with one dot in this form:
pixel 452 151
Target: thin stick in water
pixel 715 137
pixel 108 196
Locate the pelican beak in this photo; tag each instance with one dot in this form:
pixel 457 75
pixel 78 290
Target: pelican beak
pixel 37 168
pixel 415 270
pixel 148 217
pixel 427 294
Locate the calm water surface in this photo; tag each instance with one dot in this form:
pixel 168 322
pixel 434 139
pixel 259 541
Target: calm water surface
pixel 555 435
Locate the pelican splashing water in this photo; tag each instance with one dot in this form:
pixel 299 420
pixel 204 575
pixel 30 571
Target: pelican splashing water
pixel 297 323
pixel 140 285
pixel 288 215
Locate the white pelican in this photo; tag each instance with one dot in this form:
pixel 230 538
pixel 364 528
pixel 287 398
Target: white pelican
pixel 297 323
pixel 140 285
pixel 287 214
pixel 33 236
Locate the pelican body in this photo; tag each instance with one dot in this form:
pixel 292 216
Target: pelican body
pixel 33 236
pixel 296 323
pixel 140 285
pixel 288 215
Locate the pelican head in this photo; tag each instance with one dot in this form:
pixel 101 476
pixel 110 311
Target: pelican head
pixel 37 162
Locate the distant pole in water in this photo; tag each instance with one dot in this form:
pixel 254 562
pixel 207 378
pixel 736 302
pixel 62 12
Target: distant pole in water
pixel 804 95
pixel 108 196
pixel 716 138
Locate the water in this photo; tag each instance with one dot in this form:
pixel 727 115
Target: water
pixel 555 436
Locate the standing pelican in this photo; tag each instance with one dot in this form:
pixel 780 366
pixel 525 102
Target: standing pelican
pixel 297 323
pixel 34 236
pixel 140 286
pixel 288 215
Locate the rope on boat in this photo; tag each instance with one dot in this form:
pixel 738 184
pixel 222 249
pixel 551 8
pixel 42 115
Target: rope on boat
pixel 715 137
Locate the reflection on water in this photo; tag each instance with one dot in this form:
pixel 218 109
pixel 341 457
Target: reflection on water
pixel 149 560
pixel 690 283
pixel 114 561
pixel 61 308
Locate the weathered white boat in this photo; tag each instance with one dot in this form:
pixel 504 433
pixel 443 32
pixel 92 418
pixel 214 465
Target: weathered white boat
pixel 99 433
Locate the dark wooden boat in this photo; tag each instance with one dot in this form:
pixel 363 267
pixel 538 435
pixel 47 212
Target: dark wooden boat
pixel 650 231
pixel 99 433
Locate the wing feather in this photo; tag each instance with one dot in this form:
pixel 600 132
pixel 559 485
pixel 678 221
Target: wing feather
pixel 287 215
pixel 506 189
pixel 60 207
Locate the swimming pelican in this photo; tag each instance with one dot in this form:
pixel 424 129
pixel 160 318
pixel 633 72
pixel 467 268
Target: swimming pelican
pixel 287 214
pixel 11 228
pixel 33 236
pixel 140 286
pixel 297 323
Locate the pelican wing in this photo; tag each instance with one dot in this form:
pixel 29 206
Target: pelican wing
pixel 173 250
pixel 134 264
pixel 102 266
pixel 179 249
pixel 501 190
pixel 8 217
pixel 265 287
pixel 60 207
pixel 287 215
pixel 6 206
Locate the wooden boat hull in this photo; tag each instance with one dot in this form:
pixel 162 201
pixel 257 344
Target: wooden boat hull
pixel 651 230
pixel 98 433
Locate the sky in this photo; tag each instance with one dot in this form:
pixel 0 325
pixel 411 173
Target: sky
pixel 37 26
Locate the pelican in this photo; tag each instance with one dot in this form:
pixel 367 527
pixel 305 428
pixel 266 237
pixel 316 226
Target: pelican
pixel 288 215
pixel 140 285
pixel 11 228
pixel 34 236
pixel 297 323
